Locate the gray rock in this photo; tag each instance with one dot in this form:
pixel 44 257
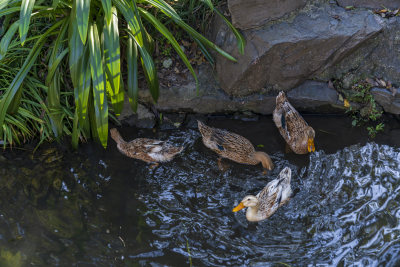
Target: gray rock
pixel 313 95
pixel 167 63
pixel 387 100
pixel 376 58
pixel 370 3
pixel 283 55
pixel 143 118
pixel 248 14
pixel 316 96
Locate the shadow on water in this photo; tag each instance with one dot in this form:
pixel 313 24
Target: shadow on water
pixel 96 207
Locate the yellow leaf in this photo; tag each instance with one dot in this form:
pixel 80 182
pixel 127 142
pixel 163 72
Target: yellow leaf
pixel 346 103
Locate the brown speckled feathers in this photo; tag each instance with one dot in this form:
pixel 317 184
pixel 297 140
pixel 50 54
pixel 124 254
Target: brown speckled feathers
pixel 148 150
pixel 275 194
pixel 291 125
pixel 228 145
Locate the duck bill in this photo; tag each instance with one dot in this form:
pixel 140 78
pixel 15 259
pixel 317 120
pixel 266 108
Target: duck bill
pixel 238 207
pixel 310 145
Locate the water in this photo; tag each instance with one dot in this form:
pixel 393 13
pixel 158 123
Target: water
pixel 96 207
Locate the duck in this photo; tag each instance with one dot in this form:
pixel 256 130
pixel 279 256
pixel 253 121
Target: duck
pixel 233 146
pixel 292 126
pixel 275 194
pixel 145 149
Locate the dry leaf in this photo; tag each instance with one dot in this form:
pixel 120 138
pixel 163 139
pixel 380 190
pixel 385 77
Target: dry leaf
pixel 371 82
pixel 381 82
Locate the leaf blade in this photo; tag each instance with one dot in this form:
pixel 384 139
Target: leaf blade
pixel 99 94
pixel 82 18
pixel 24 18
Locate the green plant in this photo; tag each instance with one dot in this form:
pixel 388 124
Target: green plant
pixel 372 131
pixel 367 111
pixel 88 37
pixel 28 115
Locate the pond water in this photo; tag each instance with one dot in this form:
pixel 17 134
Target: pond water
pixel 96 207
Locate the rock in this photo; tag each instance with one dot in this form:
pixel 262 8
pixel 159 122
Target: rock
pixel 261 11
pixel 391 4
pixel 167 63
pixel 316 96
pixel 313 95
pixel 375 58
pixel 143 118
pixel 283 55
pixel 386 99
pixel 211 99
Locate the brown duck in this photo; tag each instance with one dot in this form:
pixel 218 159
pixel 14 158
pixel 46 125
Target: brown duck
pixel 293 128
pixel 275 194
pixel 148 150
pixel 233 146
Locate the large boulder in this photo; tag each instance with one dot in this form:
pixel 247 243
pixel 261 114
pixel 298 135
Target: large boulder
pixel 248 14
pixel 283 55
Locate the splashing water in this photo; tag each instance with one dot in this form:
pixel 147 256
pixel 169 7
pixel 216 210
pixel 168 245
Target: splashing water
pixel 108 209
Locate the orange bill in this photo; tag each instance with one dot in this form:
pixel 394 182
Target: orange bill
pixel 238 207
pixel 310 145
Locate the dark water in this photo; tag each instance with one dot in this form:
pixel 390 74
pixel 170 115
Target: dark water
pixel 96 207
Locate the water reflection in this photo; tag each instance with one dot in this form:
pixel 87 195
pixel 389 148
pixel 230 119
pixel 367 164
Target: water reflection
pixel 97 207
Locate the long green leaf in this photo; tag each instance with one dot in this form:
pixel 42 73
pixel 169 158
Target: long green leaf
pixel 3 3
pixel 99 92
pixel 149 69
pixel 19 78
pixel 137 33
pixel 53 83
pixel 16 102
pixel 133 88
pixel 83 89
pixel 170 12
pixel 82 18
pixel 79 68
pixel 6 39
pixel 167 34
pixel 24 18
pixel 53 99
pixel 107 10
pixel 112 62
pixel 10 10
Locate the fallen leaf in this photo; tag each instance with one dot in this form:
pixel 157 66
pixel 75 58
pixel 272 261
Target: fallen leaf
pixel 346 103
pixel 371 82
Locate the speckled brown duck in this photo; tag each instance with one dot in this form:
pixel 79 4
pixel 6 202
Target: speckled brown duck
pixel 292 126
pixel 275 194
pixel 233 146
pixel 148 150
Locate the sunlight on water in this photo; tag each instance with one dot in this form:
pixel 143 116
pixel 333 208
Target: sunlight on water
pixel 346 210
pixel 100 208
